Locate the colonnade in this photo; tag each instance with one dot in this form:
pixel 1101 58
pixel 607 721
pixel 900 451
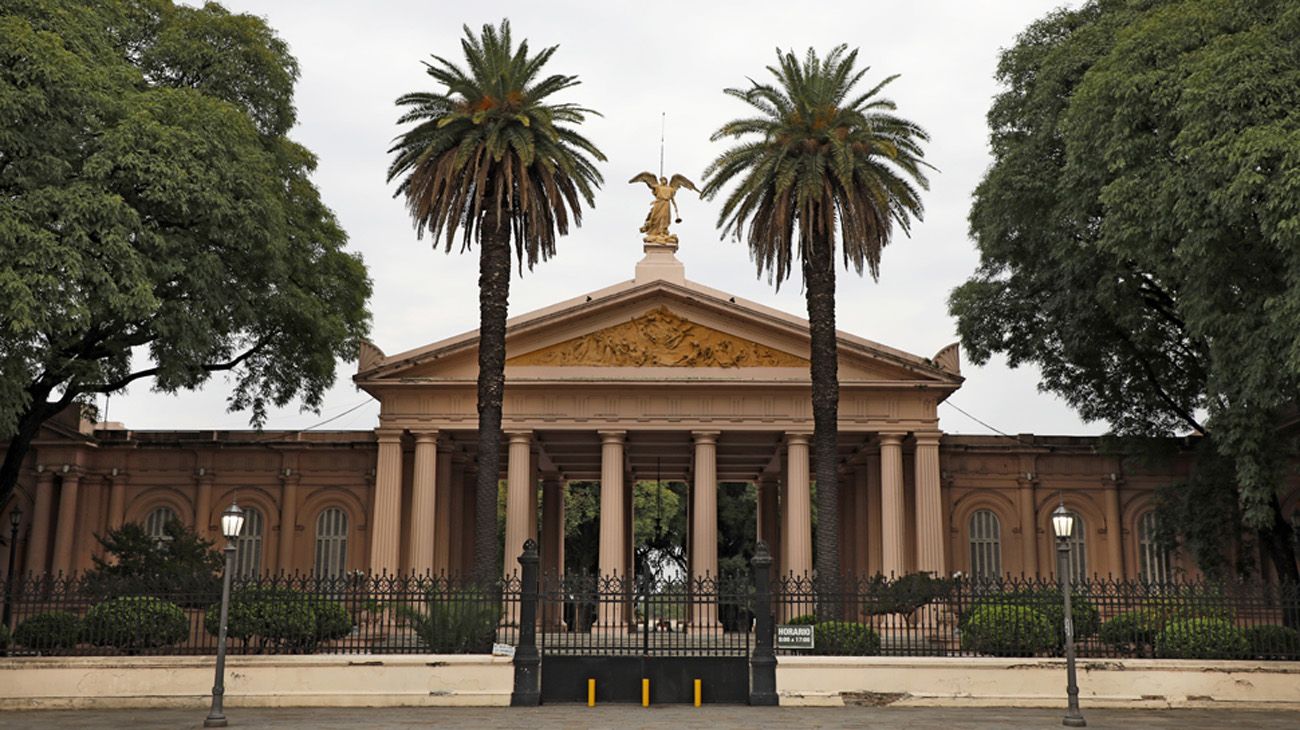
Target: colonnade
pixel 784 511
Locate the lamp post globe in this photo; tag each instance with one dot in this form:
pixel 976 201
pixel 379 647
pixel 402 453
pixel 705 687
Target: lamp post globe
pixel 232 522
pixel 15 518
pixel 1063 528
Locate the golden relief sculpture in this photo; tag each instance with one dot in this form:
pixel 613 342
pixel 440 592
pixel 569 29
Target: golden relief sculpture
pixel 660 338
pixel 662 207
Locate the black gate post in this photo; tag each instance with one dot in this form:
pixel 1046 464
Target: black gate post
pixel 762 663
pixel 528 661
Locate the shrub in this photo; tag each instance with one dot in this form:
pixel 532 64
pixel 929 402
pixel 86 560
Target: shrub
pixel 1050 603
pixel 455 622
pixel 845 638
pixel 1273 642
pixel 4 637
pixel 49 630
pixel 280 619
pixel 135 622
pixel 906 593
pixel 1133 632
pixel 806 619
pixel 1200 638
pixel 1007 630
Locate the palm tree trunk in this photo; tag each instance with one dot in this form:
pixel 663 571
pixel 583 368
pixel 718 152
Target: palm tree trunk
pixel 493 300
pixel 819 286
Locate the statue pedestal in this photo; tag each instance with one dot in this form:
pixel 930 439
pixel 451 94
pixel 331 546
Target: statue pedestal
pixel 660 262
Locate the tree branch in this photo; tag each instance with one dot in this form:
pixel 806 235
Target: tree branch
pixel 149 372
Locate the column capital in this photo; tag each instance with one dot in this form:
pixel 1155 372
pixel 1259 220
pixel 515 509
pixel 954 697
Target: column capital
pixel 519 437
pixel 705 437
pixel 388 435
pixel 892 438
pixel 425 435
pixel 798 437
pixel 928 438
pixel 612 437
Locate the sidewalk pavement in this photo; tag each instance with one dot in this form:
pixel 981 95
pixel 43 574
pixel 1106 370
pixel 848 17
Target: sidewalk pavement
pixel 625 717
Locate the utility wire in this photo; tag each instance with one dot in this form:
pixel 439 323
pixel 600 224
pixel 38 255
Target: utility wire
pixel 984 423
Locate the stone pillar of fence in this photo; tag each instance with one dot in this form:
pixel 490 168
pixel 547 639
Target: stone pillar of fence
pixel 762 663
pixel 528 661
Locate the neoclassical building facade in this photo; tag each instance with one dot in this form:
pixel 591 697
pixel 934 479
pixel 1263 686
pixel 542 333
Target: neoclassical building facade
pixel 657 377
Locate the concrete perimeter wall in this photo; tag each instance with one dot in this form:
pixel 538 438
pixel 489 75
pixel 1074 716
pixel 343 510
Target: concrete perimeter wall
pixel 256 681
pixel 1134 683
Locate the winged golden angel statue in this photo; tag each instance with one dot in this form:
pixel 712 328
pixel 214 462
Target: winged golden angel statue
pixel 663 206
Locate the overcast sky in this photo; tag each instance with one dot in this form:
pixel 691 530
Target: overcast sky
pixel 636 61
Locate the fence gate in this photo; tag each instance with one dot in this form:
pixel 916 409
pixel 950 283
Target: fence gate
pixel 672 632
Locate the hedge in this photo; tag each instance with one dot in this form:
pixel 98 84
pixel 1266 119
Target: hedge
pixel 132 623
pixel 1007 630
pixel 1273 642
pixel 280 619
pixel 49 630
pixel 845 638
pixel 1201 638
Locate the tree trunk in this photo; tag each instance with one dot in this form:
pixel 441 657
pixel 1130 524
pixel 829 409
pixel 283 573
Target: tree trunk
pixel 29 425
pixel 819 283
pixel 493 299
pixel 1278 540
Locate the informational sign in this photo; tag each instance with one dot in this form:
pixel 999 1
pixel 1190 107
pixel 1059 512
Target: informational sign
pixel 794 636
pixel 503 650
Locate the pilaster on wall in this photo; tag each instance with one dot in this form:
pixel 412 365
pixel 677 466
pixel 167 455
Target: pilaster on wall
pixel 929 506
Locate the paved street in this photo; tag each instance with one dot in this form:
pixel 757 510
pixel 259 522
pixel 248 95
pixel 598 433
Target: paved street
pixel 625 717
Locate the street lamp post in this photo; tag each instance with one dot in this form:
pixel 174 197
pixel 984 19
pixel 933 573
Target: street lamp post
pixel 15 519
pixel 232 521
pixel 1063 526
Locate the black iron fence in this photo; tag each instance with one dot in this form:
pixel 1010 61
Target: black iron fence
pixel 587 615
pixel 918 615
pixel 272 614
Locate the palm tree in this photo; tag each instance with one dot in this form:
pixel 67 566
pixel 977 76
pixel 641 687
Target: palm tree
pixel 492 158
pixel 814 159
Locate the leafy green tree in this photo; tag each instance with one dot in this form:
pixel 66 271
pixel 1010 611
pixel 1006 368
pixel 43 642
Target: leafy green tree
pixel 1139 228
pixel 491 157
pixel 818 157
pixel 179 563
pixel 151 200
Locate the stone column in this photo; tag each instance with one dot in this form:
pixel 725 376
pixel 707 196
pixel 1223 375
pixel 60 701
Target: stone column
pixel 611 559
pixel 66 528
pixel 517 498
pixel 862 516
pixel 848 524
pixel 460 520
pixel 767 510
pixel 798 513
pixel 874 542
pixel 469 486
pixel 288 517
pixel 534 496
pixel 892 529
pixel 1028 526
pixel 552 567
pixel 1114 529
pixel 386 524
pixel 116 500
pixel 424 504
pixel 38 543
pixel 203 502
pixel 704 517
pixel 442 516
pixel 929 506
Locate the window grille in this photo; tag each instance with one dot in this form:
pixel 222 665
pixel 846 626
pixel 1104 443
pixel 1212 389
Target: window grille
pixel 248 546
pixel 331 543
pixel 985 544
pixel 155 524
pixel 1153 559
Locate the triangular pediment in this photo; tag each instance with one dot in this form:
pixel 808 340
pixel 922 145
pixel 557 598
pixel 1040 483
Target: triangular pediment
pixel 658 329
pixel 658 338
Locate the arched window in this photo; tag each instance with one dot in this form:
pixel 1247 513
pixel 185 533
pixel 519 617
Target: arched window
pixel 331 543
pixel 248 546
pixel 1153 559
pixel 1078 549
pixel 985 545
pixel 157 520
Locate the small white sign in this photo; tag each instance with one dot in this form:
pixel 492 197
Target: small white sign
pixel 503 650
pixel 794 636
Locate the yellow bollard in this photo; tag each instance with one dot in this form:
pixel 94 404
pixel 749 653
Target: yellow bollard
pixel 591 692
pixel 697 693
pixel 645 692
